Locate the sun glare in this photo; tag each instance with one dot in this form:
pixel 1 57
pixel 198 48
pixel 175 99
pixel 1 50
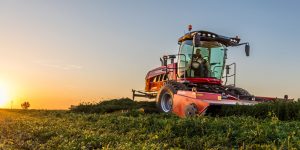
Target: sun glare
pixel 4 97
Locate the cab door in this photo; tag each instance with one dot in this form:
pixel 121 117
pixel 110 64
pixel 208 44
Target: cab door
pixel 185 56
pixel 217 62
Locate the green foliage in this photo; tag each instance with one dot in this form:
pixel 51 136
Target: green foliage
pixel 114 105
pixel 36 129
pixel 283 110
pixel 92 126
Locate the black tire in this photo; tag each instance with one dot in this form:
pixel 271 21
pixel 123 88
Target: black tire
pixel 164 99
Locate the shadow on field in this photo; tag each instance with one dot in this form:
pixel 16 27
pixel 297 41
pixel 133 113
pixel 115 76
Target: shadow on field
pixel 116 105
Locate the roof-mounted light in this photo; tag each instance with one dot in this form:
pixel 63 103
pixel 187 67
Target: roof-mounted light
pixel 234 40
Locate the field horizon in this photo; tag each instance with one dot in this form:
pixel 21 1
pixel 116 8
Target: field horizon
pixel 136 125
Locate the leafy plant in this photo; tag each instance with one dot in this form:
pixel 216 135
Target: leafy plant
pixel 86 127
pixel 109 106
pixel 41 129
pixel 284 110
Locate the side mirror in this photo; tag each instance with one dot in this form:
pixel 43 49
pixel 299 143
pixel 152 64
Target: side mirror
pixel 247 49
pixel 197 40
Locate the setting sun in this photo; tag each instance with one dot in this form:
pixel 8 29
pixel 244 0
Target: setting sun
pixel 4 97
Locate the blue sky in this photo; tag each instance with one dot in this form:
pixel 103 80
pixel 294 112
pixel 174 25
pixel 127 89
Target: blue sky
pixel 101 49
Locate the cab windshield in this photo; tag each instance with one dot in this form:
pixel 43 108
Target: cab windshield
pixel 206 61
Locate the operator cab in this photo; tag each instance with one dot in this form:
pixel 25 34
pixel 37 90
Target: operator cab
pixel 209 65
pixel 210 51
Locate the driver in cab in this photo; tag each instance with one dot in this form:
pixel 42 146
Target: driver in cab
pixel 199 65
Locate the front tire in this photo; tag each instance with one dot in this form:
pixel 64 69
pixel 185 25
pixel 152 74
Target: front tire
pixel 164 100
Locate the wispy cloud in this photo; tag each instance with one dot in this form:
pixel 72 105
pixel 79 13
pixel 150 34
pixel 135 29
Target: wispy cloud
pixel 58 65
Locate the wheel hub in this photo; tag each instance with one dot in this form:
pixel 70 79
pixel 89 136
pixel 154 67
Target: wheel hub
pixel 166 102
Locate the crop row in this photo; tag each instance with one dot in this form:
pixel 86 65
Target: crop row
pixel 133 125
pixel 34 129
pixel 283 110
pixel 114 105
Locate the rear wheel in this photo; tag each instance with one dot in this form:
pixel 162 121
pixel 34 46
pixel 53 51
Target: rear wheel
pixel 164 100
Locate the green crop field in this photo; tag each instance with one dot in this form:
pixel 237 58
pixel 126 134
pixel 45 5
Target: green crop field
pixel 124 124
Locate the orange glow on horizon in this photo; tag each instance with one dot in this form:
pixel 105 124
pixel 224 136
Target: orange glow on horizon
pixel 4 94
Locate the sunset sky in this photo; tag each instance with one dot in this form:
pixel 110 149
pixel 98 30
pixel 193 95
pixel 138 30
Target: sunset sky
pixel 58 53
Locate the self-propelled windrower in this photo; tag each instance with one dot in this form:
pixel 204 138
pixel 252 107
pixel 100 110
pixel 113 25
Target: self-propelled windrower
pixel 195 83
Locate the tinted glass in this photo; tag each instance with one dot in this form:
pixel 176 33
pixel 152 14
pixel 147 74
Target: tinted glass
pixel 211 52
pixel 186 49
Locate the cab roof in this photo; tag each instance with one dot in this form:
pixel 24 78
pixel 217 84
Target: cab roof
pixel 210 36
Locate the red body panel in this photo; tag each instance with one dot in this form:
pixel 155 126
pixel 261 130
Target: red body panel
pixel 155 85
pixel 172 68
pixel 200 95
pixel 180 103
pixel 202 100
pixel 203 80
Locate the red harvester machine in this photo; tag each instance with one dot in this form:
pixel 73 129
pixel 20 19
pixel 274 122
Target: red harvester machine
pixel 193 85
